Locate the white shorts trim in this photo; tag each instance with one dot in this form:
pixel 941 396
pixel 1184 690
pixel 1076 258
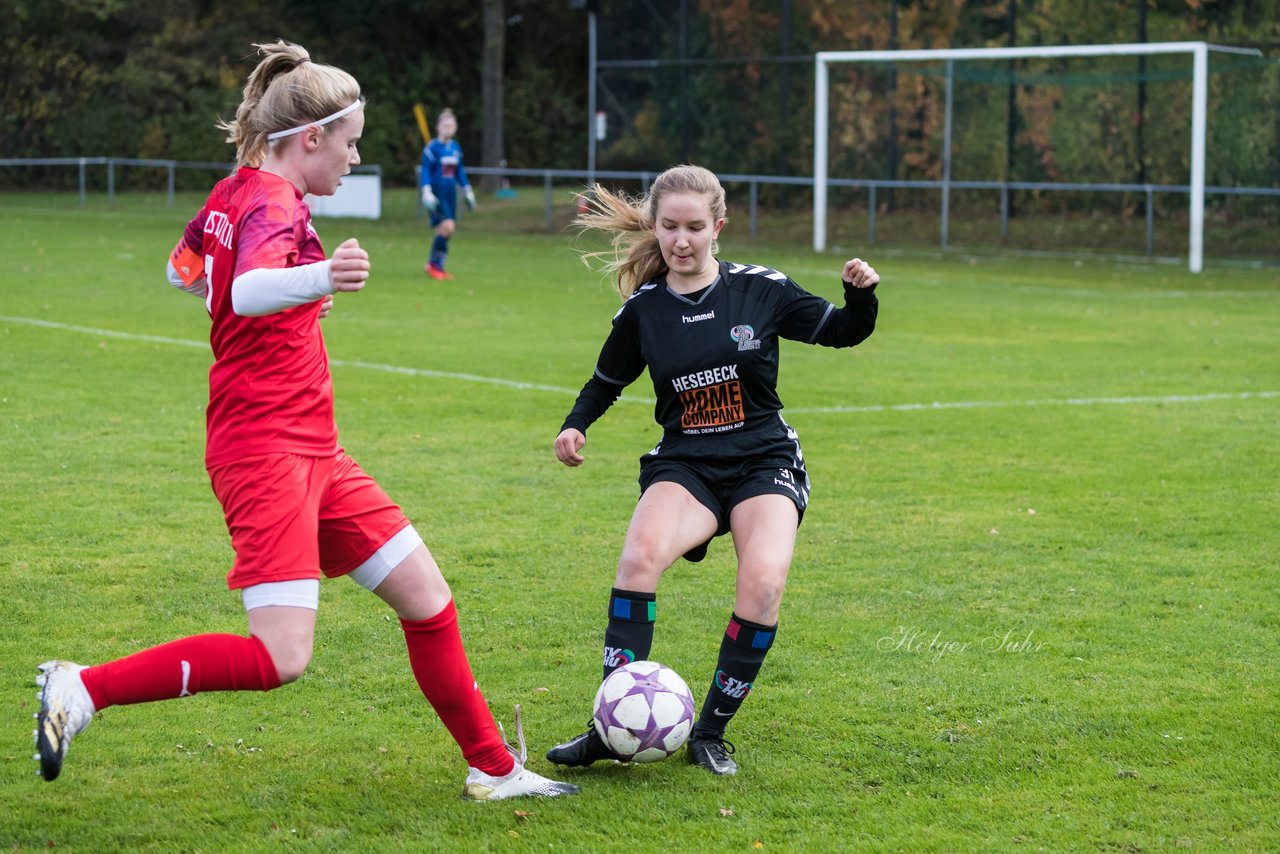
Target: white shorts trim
pixel 300 593
pixel 375 570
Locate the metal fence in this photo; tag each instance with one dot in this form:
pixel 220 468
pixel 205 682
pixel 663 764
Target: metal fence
pixel 170 167
pixel 753 183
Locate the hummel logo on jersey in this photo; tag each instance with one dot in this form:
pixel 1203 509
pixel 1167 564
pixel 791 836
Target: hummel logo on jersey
pixel 735 688
pixel 745 336
pixel 710 315
pixel 617 657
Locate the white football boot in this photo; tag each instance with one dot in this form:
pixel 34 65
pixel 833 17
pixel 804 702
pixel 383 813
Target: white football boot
pixel 65 711
pixel 519 782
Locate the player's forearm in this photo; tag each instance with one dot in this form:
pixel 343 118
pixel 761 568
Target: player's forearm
pixel 852 324
pixel 255 293
pixel 185 270
pixel 593 401
pixel 197 286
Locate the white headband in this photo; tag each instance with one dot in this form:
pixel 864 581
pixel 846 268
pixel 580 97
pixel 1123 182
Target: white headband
pixel 300 128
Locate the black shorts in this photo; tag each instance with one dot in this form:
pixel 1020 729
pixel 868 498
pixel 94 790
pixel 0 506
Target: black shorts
pixel 722 486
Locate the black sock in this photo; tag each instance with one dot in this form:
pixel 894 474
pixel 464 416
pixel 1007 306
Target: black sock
pixel 629 635
pixel 742 653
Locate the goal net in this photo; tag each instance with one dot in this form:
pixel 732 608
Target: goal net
pixel 989 137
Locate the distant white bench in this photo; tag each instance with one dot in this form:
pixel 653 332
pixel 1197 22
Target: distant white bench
pixel 359 196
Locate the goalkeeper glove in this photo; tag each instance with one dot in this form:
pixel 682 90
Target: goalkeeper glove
pixel 429 198
pixel 471 199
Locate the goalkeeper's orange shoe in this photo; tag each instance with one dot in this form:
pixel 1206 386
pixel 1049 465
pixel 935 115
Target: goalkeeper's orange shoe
pixel 436 273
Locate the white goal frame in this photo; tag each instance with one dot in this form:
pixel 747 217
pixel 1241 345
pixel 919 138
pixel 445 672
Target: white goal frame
pixel 1199 109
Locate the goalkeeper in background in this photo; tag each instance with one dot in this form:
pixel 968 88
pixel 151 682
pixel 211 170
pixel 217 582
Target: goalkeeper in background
pixel 441 175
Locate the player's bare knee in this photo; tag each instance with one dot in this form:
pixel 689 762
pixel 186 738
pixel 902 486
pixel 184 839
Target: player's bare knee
pixel 291 663
pixel 282 615
pixel 760 601
pixel 640 567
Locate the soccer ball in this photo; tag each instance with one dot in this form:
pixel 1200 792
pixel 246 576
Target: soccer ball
pixel 644 711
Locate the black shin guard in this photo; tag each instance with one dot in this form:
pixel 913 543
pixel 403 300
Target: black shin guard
pixel 742 653
pixel 629 635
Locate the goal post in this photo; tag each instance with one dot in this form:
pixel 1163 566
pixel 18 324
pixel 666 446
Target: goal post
pixel 1199 52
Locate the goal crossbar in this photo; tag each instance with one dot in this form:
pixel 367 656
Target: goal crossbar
pixel 1199 52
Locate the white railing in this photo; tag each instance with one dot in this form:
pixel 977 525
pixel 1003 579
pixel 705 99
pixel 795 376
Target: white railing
pixel 1003 188
pixel 170 166
pixel 753 183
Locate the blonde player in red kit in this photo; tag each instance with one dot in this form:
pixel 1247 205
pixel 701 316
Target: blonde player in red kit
pixel 296 505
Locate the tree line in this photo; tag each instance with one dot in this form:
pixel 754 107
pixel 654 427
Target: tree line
pixel 137 78
pixel 726 83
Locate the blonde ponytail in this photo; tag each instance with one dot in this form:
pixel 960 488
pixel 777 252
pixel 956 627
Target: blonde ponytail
pixel 636 257
pixel 285 90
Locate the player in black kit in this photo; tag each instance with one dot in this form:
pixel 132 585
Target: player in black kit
pixel 708 332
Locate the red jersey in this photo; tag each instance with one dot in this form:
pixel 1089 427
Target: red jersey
pixel 269 386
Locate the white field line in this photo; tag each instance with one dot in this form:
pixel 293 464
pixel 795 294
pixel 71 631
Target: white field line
pixel 824 278
pixel 342 363
pixel 523 386
pixel 1010 404
pixel 1139 295
pixel 106 333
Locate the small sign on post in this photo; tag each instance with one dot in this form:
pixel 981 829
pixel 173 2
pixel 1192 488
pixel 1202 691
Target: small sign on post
pixel 359 196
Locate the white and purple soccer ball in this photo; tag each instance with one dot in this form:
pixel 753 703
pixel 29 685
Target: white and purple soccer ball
pixel 644 711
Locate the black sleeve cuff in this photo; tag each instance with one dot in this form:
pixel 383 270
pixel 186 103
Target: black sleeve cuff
pixel 852 294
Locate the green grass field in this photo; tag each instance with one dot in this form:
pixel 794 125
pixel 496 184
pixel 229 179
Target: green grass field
pixel 1033 607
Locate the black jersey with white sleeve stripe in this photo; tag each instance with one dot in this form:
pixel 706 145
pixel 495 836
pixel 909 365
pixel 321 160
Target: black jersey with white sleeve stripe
pixel 713 358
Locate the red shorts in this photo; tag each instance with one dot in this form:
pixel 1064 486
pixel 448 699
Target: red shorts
pixel 294 517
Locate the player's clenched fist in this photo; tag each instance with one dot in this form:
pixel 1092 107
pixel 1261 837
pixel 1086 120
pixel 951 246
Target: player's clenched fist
pixel 349 267
pixel 860 274
pixel 568 443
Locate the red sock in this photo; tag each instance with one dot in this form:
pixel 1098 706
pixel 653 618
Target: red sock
pixel 181 668
pixel 440 665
